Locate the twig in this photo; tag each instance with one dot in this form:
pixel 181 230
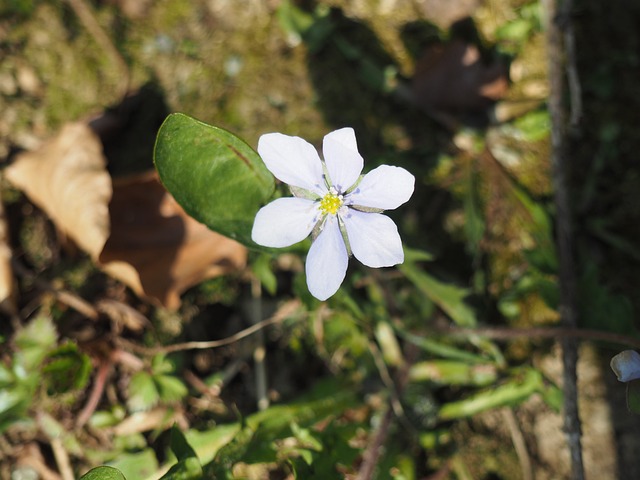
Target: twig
pixel 7 282
pixel 374 449
pixel 386 379
pixel 88 20
pixel 100 381
pixel 96 393
pixel 573 79
pixel 260 352
pixel 519 444
pixel 178 347
pixel 497 333
pixel 372 453
pixel 62 459
pixel 69 299
pixel 32 456
pixel 564 241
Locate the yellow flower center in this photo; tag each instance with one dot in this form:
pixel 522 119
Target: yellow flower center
pixel 330 203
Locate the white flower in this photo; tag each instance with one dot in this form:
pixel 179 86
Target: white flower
pixel 334 203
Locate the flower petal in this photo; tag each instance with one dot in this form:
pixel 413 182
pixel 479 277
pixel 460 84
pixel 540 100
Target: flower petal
pixel 284 221
pixel 341 156
pixel 293 161
pixel 327 261
pixel 374 239
pixel 626 365
pixel 385 187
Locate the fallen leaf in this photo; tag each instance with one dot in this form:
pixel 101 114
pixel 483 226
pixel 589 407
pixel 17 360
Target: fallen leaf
pixel 156 248
pixel 443 13
pixel 453 78
pixel 67 178
pixel 7 299
pixel 159 418
pixel 123 315
pixel 132 228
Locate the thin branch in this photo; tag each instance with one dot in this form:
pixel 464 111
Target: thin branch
pixel 519 443
pixel 555 333
pixel 260 352
pixel 96 393
pixel 573 79
pixel 31 456
pixel 564 232
pixel 62 459
pixel 178 347
pixel 386 379
pixel 371 455
pixel 374 449
pixel 63 296
pixel 88 20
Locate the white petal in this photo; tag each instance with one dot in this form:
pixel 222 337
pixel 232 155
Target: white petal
pixel 344 163
pixel 284 221
pixel 626 365
pixel 384 187
pixel 327 261
pixel 293 161
pixel 374 239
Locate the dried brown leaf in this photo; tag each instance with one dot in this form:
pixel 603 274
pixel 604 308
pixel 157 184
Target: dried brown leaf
pixel 454 78
pixel 67 179
pixel 133 229
pixel 445 12
pixel 123 315
pixel 159 418
pixel 156 248
pixel 7 299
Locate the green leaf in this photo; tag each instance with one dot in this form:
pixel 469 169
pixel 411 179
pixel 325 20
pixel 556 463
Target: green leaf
pixel 188 466
pixel 520 387
pixel 264 272
pixel 34 342
pixel 449 298
pixel 230 443
pixel 66 369
pixel 474 224
pixel 179 445
pixel 437 347
pixel 143 393
pixel 137 465
pixel 171 388
pixel 188 469
pixel 516 31
pixel 449 372
pixel 388 344
pixel 414 255
pixel 293 20
pixel 534 126
pixel 215 176
pixel 103 473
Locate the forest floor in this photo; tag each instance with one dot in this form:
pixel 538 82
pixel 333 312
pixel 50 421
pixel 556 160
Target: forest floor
pixel 385 68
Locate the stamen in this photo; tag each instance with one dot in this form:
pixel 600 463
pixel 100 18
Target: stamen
pixel 331 203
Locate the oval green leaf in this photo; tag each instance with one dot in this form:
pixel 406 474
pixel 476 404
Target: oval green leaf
pixel 215 176
pixel 103 473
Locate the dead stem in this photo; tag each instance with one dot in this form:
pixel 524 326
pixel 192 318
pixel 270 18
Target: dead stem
pixel 555 333
pixel 260 351
pixel 63 296
pixel 62 459
pixel 279 316
pixel 88 20
pixel 374 449
pixel 519 444
pixel 96 393
pixel 564 229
